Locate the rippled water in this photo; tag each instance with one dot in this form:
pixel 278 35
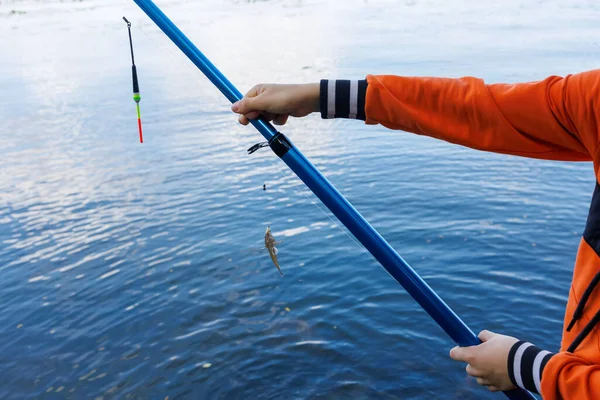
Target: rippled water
pixel 136 271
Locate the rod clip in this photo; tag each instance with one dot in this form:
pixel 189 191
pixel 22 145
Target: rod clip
pixel 278 143
pixel 257 146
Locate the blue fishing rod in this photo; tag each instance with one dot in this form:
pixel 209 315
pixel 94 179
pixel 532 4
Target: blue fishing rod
pixel 399 269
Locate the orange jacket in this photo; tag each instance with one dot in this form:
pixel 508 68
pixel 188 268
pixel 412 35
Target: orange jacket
pixel 556 119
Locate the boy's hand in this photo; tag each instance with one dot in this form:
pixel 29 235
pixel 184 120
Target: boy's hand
pixel 277 102
pixel 488 362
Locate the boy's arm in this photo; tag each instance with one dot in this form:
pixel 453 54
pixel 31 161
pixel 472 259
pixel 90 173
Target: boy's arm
pixel 568 376
pixel 551 119
pixel 555 376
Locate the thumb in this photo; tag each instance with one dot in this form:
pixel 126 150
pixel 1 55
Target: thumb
pixel 248 104
pixel 486 335
pixel 459 353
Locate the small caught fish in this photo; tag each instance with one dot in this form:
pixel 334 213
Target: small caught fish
pixel 270 244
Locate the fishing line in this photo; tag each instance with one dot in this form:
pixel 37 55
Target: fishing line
pixel 155 41
pixel 177 60
pixel 302 191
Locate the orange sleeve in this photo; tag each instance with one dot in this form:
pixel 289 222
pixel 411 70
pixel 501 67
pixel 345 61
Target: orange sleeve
pixel 567 376
pixel 552 119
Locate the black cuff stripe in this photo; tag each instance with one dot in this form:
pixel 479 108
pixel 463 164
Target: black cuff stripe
pixel 511 363
pixel 343 99
pixel 527 367
pixel 362 96
pixel 544 357
pixel 526 363
pixel 323 98
pixel 545 360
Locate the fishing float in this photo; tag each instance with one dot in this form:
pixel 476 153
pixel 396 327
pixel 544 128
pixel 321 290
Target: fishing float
pixel 390 260
pixel 136 87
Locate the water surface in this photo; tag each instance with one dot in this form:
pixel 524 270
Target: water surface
pixel 135 271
